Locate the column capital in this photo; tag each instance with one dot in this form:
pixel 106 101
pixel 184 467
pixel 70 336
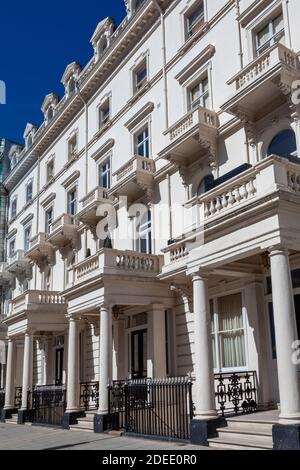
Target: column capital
pixel 105 306
pixel 277 249
pixel 200 274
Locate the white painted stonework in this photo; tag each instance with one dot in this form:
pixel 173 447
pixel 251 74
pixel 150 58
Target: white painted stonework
pixel 164 142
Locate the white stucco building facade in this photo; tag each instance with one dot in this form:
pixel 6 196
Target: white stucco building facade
pixel 179 140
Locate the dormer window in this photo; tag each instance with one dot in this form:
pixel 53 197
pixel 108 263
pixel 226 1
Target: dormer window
pixel 50 114
pixel 48 107
pixel 13 161
pixel 70 78
pixel 194 18
pixel 103 44
pixel 29 141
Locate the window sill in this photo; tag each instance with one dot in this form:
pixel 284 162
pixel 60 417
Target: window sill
pixel 103 129
pixel 139 93
pixel 28 204
pixel 192 39
pixel 71 161
pixel 49 182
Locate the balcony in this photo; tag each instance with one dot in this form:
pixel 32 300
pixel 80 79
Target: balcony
pixel 18 263
pixel 269 189
pixel 88 214
pixel 5 276
pixel 114 262
pixel 264 81
pixel 40 250
pixel 39 302
pixel 64 234
pixel 134 179
pixel 191 137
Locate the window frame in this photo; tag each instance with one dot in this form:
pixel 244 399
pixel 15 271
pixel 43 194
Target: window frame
pixel 146 229
pixel 145 143
pixel 102 123
pixel 72 153
pixel 12 242
pixel 203 94
pixel 50 162
pixel 105 161
pixel 47 224
pixel 143 64
pixel 188 30
pixel 14 205
pixel 74 201
pixel 272 35
pixel 26 228
pixel 29 185
pixel 216 333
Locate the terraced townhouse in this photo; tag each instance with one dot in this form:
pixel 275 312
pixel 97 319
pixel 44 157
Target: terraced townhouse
pixel 152 279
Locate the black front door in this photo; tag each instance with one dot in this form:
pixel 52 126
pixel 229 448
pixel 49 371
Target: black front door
pixel 139 354
pixel 59 363
pixel 297 311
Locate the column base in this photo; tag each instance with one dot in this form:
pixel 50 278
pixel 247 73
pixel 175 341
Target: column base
pixel 203 429
pixel 7 414
pixel 100 423
pixel 286 436
pixel 70 418
pixel 22 416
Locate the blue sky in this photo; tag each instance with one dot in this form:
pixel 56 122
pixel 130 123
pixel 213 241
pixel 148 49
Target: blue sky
pixel 37 41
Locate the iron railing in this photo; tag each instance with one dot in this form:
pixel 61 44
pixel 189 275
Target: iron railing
pixel 152 407
pixel 236 392
pixel 18 397
pixel 89 395
pixel 48 404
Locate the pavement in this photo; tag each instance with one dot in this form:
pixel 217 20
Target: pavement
pixel 17 437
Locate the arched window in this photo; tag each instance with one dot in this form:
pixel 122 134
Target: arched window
pixel 283 144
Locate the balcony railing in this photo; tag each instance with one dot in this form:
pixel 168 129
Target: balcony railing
pixel 89 205
pixel 64 219
pixel 237 194
pixel 45 300
pixel 195 117
pixel 135 165
pixel 109 261
pixel 262 81
pixel 277 55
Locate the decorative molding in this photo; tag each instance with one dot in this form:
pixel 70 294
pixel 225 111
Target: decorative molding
pixel 27 219
pixel 255 9
pixel 103 149
pixel 45 202
pixel 139 116
pixel 195 64
pixel 71 179
pixel 11 234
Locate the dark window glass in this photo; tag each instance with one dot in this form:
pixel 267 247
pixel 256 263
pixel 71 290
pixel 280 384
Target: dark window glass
pixel 272 331
pixel 283 144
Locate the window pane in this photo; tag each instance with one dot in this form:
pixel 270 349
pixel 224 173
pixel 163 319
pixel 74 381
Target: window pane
pixel 231 331
pixel 278 24
pixel 263 36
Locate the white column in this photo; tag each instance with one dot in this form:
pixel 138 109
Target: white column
pixel 205 404
pixel 295 125
pixel 73 404
pixel 286 334
pixel 27 362
pixel 10 376
pixel 157 361
pixel 105 345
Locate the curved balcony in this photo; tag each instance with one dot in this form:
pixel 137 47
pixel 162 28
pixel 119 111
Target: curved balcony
pixel 40 250
pixel 89 213
pixel 265 80
pixel 135 178
pixel 194 135
pixel 64 234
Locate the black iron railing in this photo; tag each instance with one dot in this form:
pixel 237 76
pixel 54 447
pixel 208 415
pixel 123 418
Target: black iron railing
pixel 2 399
pixel 89 395
pixel 236 392
pixel 18 397
pixel 48 404
pixel 152 407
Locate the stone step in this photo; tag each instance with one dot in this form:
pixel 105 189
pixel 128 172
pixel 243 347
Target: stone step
pixel 77 427
pixel 217 443
pixel 251 436
pixel 256 426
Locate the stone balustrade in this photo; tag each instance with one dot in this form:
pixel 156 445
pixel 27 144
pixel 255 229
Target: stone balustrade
pixel 197 117
pixel 136 165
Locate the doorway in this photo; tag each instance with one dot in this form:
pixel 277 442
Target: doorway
pixel 139 354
